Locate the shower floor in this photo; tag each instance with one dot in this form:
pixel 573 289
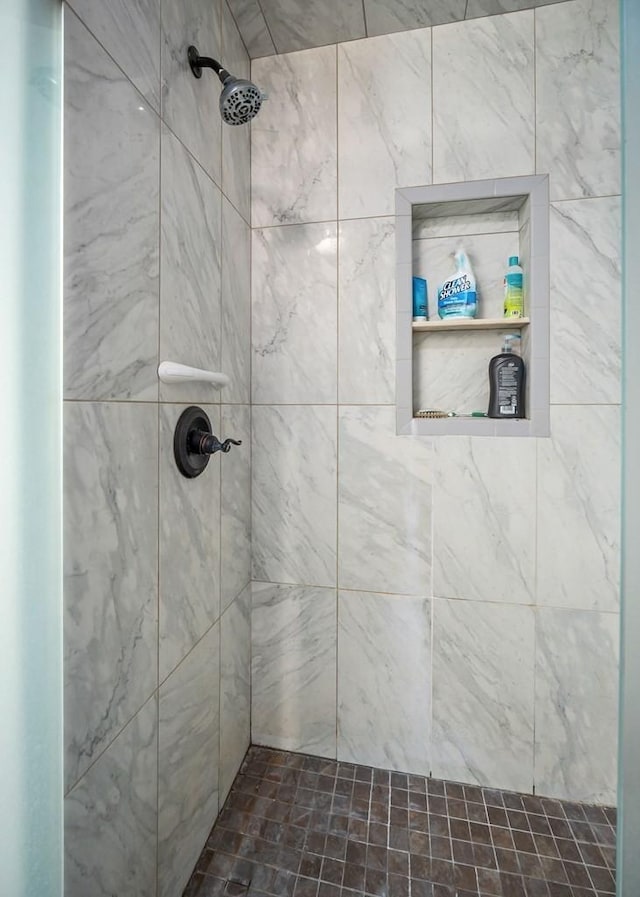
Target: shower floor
pixel 301 826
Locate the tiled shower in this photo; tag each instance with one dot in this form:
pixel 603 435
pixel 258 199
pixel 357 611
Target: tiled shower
pixel 442 607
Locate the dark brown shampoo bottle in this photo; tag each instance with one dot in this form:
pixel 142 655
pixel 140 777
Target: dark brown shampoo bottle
pixel 506 383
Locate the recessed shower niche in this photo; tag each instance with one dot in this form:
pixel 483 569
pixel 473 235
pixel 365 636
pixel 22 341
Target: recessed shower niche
pixel 443 364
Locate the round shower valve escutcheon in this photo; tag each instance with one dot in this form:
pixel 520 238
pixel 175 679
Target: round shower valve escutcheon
pixel 194 442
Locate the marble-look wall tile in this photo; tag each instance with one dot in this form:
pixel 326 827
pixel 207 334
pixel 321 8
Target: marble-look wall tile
pixel 293 140
pixel 384 504
pixel 236 140
pixel 484 519
pixel 576 705
pixel 384 681
pixel 295 314
pixel 190 270
pixel 190 105
pixel 585 301
pixel 483 98
pixel 299 26
pixel 110 817
pixel 235 688
pixel 579 509
pixel 388 16
pixel 130 33
pixel 235 503
pixel 110 567
pixel 450 369
pixel 235 350
pixel 293 668
pixel 294 494
pixel 578 98
pixel 483 691
pixel 111 222
pixel 253 28
pixel 477 8
pixel 188 754
pixel 384 120
pixel 366 300
pixel 189 546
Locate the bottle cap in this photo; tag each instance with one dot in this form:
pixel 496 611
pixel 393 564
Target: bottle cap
pixel 513 260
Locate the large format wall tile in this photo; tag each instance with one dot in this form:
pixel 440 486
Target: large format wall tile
pixel 384 681
pixel 384 496
pixel 579 509
pixel 253 27
pixel 188 752
pixel 483 98
pixel 578 98
pixel 387 16
pixel 235 503
pixel 110 817
pixel 130 32
pixel 576 705
pixel 294 494
pixel 293 156
pixel 236 140
pixel 585 301
pixel 235 351
pixel 384 120
pixel 235 688
pixel 484 519
pixel 112 148
pixel 294 314
pixel 483 668
pixel 366 353
pixel 298 26
pixel 111 559
pixel 476 8
pixel 190 105
pixel 293 668
pixel 189 546
pixel 190 270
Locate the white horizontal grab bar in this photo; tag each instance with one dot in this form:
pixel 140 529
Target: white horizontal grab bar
pixel 172 372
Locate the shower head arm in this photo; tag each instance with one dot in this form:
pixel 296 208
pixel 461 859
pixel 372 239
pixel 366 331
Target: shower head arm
pixel 197 63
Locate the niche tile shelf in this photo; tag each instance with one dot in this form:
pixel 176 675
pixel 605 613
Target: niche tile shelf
pixel 444 364
pixel 470 324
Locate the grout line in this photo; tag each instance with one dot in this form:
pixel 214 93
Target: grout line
pixel 535 97
pixel 267 26
pixel 425 596
pixel 364 19
pixel 159 469
pixel 338 227
pixel 223 266
pixel 118 733
pixel 433 130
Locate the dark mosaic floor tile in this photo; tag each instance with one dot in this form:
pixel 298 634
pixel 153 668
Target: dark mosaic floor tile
pixel 328 890
pixel 301 826
pixel 305 887
pixel 490 882
pixel 512 885
pixel 332 871
pixel 310 865
pixel 212 887
pixel 400 838
pixel 375 883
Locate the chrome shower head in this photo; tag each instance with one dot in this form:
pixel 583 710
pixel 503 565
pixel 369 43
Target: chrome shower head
pixel 240 100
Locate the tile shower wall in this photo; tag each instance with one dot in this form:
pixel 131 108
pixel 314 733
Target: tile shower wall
pixel 475 581
pixel 157 597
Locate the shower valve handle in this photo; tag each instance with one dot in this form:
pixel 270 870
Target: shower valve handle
pixel 203 443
